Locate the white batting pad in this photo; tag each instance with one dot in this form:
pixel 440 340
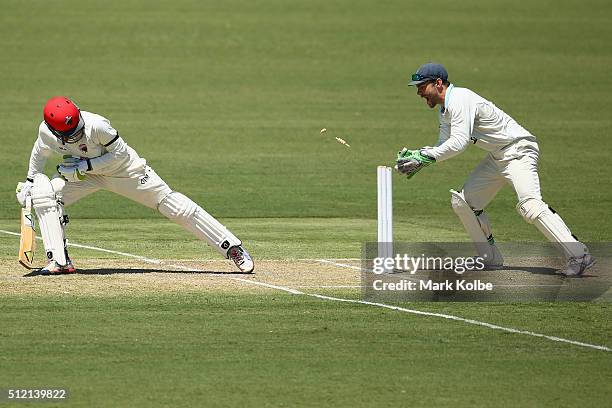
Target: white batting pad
pixel 194 219
pixel 478 228
pixel 49 215
pixel 551 225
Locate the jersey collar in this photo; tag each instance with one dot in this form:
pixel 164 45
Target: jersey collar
pixel 447 97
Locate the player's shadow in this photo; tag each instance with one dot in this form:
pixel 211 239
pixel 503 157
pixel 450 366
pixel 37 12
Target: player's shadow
pixel 114 271
pixel 543 270
pixel 537 270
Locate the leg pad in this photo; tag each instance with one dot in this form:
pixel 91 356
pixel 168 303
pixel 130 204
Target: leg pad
pixel 182 210
pixel 50 218
pixel 478 227
pixel 551 225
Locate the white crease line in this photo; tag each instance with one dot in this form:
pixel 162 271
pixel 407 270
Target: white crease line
pixel 399 275
pixel 142 258
pixel 331 262
pixel 155 261
pixel 10 233
pixel 326 261
pixel 526 286
pixel 362 302
pixel 461 319
pixel 329 286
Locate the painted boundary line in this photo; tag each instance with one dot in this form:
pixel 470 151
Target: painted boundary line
pixel 361 302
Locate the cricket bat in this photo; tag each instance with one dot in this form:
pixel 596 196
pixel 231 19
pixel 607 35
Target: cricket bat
pixel 27 241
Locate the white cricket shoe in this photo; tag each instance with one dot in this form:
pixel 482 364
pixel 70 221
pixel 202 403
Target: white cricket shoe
pixel 54 268
pixel 241 258
pixel 576 265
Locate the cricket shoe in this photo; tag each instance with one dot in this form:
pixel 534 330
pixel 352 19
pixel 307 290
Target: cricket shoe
pixel 576 265
pixel 491 264
pixel 492 258
pixel 241 258
pixel 53 268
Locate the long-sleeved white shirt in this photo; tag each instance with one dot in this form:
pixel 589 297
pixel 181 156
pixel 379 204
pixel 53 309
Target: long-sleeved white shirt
pixel 108 153
pixel 466 118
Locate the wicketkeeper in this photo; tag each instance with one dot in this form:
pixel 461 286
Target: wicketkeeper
pixel 467 118
pixel 95 158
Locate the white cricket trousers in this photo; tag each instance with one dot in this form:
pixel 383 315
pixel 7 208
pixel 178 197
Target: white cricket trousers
pixel 518 166
pixel 142 185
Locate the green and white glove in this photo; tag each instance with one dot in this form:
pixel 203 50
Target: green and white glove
pixel 73 169
pixel 410 162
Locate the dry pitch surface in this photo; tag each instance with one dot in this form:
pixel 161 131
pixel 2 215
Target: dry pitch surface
pixel 104 277
pixel 109 277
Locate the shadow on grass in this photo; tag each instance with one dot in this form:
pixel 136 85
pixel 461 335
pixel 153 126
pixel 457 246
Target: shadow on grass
pixel 113 271
pixel 504 272
pixel 538 270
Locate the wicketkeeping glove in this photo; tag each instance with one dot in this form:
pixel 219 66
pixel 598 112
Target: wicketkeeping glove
pixel 410 162
pixel 22 191
pixel 73 169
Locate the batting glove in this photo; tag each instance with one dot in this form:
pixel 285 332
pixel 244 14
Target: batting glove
pixel 410 162
pixel 73 169
pixel 22 191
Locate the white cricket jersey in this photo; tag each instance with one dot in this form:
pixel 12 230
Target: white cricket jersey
pixel 466 118
pixel 108 153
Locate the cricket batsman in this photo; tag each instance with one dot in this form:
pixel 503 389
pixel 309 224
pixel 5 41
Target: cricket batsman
pixel 467 118
pixel 95 158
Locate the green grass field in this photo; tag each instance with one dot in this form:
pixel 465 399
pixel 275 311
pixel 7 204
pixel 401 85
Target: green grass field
pixel 226 101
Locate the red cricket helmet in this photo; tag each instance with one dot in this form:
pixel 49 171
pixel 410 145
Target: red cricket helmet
pixel 63 118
